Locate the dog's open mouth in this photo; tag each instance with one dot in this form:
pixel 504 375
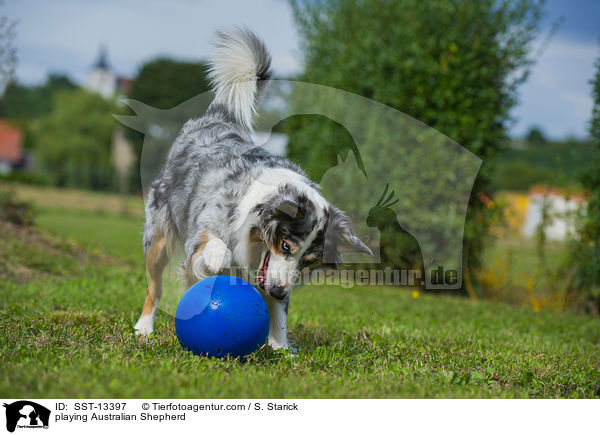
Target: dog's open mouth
pixel 261 275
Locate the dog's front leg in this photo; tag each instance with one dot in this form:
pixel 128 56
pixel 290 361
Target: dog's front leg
pixel 278 326
pixel 210 256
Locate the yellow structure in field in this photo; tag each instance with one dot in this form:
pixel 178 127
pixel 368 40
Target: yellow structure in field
pixel 523 212
pixel 515 209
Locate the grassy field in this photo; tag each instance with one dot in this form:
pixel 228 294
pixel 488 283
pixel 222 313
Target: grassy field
pixel 73 288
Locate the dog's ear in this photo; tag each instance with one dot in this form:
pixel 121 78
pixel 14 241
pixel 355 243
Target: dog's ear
pixel 292 206
pixel 340 234
pixel 287 208
pixel 274 211
pixel 266 224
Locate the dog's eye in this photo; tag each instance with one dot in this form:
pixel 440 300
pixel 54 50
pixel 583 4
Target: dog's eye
pixel 285 248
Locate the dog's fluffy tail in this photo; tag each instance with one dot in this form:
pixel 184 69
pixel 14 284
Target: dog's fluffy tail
pixel 238 70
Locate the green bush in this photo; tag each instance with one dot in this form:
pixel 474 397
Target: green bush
pixel 20 176
pixel 15 211
pixel 583 265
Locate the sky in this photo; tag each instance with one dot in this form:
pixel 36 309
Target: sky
pixel 65 36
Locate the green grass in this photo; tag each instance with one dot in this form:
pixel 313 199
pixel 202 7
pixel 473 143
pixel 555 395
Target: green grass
pixel 71 335
pixel 115 235
pixel 515 273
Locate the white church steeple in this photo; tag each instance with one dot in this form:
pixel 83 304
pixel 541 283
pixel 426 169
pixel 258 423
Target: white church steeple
pixel 100 78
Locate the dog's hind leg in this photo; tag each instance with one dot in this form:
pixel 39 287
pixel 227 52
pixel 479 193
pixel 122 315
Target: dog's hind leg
pixel 156 260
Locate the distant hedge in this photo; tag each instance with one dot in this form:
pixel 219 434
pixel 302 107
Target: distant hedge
pixel 558 164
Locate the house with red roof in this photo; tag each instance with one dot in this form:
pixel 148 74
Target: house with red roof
pixel 11 147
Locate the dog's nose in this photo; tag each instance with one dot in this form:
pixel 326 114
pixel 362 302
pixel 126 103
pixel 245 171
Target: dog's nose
pixel 278 292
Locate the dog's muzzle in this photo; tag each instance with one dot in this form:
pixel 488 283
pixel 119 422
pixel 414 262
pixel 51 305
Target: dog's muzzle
pixel 277 292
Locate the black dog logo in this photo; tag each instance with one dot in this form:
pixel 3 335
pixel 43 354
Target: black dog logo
pixel 25 413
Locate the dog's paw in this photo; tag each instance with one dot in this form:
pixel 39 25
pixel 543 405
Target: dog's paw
pixel 144 326
pixel 215 257
pixel 278 343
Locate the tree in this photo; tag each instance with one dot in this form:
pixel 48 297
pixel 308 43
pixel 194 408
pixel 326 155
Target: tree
pixel 536 137
pixel 73 142
pixel 583 264
pixel 163 84
pixel 30 102
pixel 454 65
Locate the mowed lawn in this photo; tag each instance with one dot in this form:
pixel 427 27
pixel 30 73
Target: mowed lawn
pixel 67 331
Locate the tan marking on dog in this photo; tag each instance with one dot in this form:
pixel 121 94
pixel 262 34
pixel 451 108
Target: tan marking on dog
pixel 277 250
pixel 316 264
pixel 156 261
pixel 274 249
pixel 254 236
pixel 310 257
pixel 190 278
pixel 312 263
pixel 294 248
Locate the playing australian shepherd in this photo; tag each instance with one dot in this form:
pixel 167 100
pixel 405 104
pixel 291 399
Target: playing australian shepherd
pixel 226 202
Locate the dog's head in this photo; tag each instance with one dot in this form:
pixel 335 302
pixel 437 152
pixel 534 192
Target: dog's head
pixel 299 230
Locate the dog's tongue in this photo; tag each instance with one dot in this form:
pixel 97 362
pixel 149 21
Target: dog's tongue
pixel 262 273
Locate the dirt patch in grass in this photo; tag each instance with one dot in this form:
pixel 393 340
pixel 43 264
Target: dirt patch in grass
pixel 73 199
pixel 26 254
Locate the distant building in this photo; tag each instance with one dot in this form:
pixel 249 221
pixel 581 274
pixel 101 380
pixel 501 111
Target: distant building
pixel 559 206
pixel 124 85
pixel 103 80
pixel 100 78
pixel 11 147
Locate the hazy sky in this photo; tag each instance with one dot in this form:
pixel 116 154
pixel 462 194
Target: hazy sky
pixel 65 36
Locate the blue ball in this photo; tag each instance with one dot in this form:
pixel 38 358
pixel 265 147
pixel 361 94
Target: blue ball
pixel 222 315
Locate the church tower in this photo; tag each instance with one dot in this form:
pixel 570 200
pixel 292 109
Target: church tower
pixel 100 78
